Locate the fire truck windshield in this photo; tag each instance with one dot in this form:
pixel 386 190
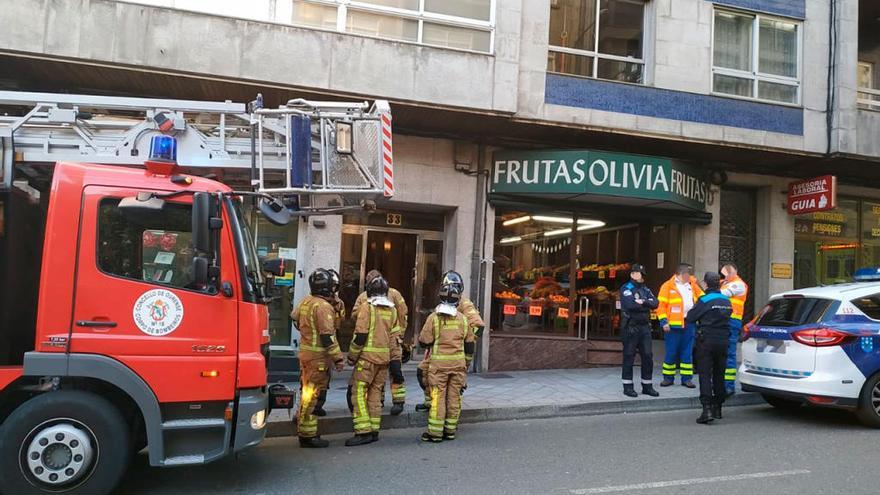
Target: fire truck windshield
pixel 252 274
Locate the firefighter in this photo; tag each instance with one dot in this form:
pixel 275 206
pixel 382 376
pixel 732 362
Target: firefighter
pixel 475 321
pixel 636 303
pixel 677 296
pixel 711 314
pixel 398 385
pixel 371 353
pixel 737 290
pixel 316 320
pixel 339 309
pixel 448 335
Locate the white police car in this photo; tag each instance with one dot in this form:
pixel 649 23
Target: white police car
pixel 818 346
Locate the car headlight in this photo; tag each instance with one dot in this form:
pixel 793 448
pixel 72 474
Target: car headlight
pixel 258 420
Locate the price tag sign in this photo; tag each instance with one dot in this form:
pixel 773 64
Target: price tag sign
pixel 563 312
pixel 536 310
pixel 602 274
pixel 616 304
pixel 612 274
pixel 509 309
pixel 580 275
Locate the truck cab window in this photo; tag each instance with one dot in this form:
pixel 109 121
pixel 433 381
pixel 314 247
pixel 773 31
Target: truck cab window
pixel 154 247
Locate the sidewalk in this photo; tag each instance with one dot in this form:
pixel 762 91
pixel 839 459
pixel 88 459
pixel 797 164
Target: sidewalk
pixel 516 395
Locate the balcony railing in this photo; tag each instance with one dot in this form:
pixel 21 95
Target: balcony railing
pixel 869 98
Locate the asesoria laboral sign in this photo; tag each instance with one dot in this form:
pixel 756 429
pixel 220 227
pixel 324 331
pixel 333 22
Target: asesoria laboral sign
pixel 811 195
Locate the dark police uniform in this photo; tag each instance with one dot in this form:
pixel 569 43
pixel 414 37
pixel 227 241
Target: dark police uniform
pixel 711 314
pixel 635 331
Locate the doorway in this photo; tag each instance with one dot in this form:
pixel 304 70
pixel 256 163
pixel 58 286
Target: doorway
pixel 411 261
pixel 736 242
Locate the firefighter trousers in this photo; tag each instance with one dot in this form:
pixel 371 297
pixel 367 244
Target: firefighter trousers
pixel 445 387
pixel 679 357
pixel 365 395
pixel 730 370
pixel 422 377
pixel 314 379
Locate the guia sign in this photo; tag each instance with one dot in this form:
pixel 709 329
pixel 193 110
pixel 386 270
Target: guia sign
pixel 599 173
pixel 812 195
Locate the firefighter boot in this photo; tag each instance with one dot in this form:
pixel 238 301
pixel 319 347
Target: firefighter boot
pixel 649 389
pixel 706 417
pixel 427 437
pixel 360 439
pixel 629 390
pixel 716 411
pixel 423 407
pixel 313 443
pixel 396 409
pixel 375 436
pixel 319 411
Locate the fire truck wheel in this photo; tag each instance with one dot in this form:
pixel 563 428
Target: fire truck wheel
pixel 70 442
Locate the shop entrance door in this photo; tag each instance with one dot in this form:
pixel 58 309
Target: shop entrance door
pixel 737 237
pixel 411 261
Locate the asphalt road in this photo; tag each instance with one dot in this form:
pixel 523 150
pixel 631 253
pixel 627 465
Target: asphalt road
pixel 753 450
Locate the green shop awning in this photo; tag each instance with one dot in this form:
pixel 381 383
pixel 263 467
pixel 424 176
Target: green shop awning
pixel 601 182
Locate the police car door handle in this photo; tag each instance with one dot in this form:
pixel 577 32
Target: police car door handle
pixel 95 323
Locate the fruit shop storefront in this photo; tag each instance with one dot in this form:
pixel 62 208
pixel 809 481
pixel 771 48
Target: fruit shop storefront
pixel 568 226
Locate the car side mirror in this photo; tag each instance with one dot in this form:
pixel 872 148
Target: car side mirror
pixel 201 222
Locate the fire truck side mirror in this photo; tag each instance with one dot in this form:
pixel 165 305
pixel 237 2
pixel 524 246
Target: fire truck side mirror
pixel 201 222
pixel 200 271
pixel 274 211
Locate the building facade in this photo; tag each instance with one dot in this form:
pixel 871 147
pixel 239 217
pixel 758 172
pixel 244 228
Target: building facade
pixel 540 147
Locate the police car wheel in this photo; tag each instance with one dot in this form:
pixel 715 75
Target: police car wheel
pixel 65 442
pixel 868 411
pixel 782 403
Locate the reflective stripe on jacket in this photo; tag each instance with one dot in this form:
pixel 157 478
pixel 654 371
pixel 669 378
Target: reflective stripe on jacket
pixel 670 310
pixel 737 290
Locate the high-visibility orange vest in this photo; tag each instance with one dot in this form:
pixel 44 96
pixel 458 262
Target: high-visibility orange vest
pixel 737 290
pixel 670 305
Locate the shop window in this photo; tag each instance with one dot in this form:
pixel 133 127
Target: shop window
pixel 870 234
pixel 602 39
pixel 274 242
pixel 155 248
pixel 755 56
pixel 827 245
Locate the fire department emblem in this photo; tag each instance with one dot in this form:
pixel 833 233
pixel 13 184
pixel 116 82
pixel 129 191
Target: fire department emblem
pixel 158 312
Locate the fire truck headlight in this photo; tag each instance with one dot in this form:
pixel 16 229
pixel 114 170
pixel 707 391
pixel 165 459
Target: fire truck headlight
pixel 258 420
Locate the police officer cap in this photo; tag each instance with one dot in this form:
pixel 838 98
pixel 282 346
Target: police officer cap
pixel 638 268
pixel 712 279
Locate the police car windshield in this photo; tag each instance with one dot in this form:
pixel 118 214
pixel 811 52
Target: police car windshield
pixel 792 312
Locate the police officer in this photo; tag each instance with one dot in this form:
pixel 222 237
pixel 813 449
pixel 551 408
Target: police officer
pixel 636 303
pixel 316 320
pixel 475 322
pixel 711 315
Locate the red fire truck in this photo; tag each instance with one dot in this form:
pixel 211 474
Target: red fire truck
pixel 150 327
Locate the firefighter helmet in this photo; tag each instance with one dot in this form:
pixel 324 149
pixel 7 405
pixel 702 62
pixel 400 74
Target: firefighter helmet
pixel 335 276
pixel 406 353
pixel 452 277
pixel 450 294
pixel 377 286
pixel 321 283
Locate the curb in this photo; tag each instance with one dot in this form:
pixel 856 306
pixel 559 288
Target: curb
pixel 342 424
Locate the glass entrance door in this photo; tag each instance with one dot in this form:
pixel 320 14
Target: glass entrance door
pixel 411 261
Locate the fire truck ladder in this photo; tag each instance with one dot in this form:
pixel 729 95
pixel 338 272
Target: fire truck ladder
pixel 304 148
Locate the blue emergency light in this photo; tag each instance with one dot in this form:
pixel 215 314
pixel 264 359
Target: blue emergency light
pixel 163 149
pixel 867 274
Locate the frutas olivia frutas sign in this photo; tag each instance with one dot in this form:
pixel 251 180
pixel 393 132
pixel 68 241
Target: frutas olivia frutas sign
pixel 598 172
pixel 812 195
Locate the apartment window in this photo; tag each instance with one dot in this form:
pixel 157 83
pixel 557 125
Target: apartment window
pixel 461 24
pixel 602 39
pixel 756 57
